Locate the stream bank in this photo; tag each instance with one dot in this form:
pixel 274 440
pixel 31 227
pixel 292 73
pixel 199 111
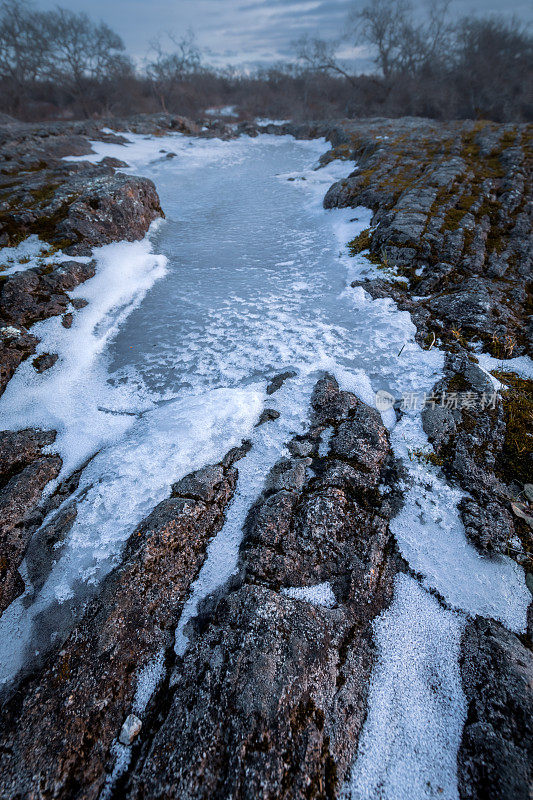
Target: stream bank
pixel 328 513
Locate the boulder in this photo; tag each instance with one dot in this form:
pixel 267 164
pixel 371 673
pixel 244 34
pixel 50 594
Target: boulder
pixel 24 472
pixel 496 751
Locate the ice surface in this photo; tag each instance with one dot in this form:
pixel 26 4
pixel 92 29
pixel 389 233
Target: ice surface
pixel 268 121
pixel 431 538
pixel 121 753
pixel 323 447
pixel 319 595
pixel 225 111
pixel 147 682
pixel 119 488
pixel 166 369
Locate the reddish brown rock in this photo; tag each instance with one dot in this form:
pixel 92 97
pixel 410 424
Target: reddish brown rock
pixel 16 344
pixel 24 472
pixel 58 729
pixel 270 697
pixel 44 361
pixel 111 208
pixel 35 294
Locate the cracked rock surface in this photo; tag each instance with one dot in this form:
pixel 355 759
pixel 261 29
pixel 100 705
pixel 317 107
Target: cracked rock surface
pixel 451 226
pixel 24 472
pixel 288 677
pixel 59 726
pixel 496 751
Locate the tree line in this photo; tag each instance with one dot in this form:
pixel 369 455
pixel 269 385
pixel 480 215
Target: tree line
pixel 61 63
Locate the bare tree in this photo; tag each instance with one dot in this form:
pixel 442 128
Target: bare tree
pixel 439 29
pixel 401 43
pixel 84 54
pixel 166 70
pixel 318 55
pixel 381 24
pixel 493 68
pixel 60 62
pixel 24 49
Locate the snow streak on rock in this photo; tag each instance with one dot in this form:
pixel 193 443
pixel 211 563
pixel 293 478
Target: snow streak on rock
pixel 408 748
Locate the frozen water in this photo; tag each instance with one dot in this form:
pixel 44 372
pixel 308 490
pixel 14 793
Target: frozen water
pixel 119 487
pixel 166 369
pixel 75 397
pixel 431 538
pixel 521 365
pixel 147 682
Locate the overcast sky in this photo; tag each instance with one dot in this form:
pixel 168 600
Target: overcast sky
pixel 245 31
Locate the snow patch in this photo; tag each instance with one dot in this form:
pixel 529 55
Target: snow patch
pixel 122 756
pixel 148 680
pixel 323 447
pixel 68 397
pixel 522 365
pixel 431 538
pixel 319 595
pixel 408 747
pixel 119 487
pixel 30 253
pixel 224 111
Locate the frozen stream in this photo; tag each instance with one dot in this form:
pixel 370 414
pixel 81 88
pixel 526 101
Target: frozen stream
pixel 166 369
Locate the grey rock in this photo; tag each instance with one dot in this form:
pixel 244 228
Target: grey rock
pixel 469 440
pixel 278 381
pixel 44 361
pixel 496 751
pixel 268 415
pixel 292 678
pixel 130 729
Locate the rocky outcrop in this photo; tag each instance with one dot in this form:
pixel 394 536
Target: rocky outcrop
pixel 16 345
pixel 73 206
pixel 27 297
pixel 466 424
pixel 66 204
pixel 77 207
pixel 36 294
pixel 289 673
pixel 496 751
pixel 452 220
pixel 24 472
pixel 451 234
pixel 108 208
pixel 58 729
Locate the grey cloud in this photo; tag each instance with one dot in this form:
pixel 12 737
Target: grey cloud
pixel 244 31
